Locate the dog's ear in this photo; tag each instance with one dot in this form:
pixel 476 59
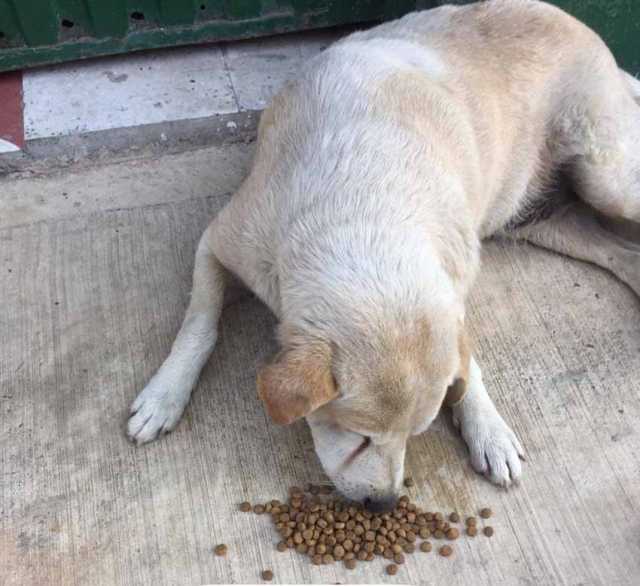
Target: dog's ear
pixel 297 382
pixel 458 389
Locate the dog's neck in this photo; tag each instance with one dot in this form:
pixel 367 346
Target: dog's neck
pixel 354 276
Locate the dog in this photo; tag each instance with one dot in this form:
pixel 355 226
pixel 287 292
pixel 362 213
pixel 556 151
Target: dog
pixel 377 174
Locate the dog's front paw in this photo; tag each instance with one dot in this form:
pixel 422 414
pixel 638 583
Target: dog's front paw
pixel 155 411
pixel 494 449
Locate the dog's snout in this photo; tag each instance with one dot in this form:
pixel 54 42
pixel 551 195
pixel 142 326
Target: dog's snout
pixel 380 504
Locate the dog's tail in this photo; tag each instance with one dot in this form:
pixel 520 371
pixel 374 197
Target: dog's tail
pixel 634 85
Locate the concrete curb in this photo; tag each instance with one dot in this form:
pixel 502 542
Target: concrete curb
pixel 41 156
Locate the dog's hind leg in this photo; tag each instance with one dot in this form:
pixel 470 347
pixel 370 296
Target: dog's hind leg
pixel 605 133
pixel 159 406
pixel 577 231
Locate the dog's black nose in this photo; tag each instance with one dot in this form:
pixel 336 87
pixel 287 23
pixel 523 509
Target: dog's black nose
pixel 380 505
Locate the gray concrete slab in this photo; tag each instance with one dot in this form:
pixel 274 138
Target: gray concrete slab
pixel 169 85
pixel 122 91
pixel 91 298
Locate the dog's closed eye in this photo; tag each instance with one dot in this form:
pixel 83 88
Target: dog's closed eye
pixel 361 448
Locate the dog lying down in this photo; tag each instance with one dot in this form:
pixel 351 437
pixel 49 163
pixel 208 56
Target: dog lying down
pixel 377 174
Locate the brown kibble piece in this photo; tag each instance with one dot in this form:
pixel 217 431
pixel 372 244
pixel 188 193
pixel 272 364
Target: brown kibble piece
pixel 258 509
pixel 445 551
pixel 425 546
pixel 408 482
pixel 392 569
pixel 471 522
pixel 317 560
pixel 267 575
pixel 282 546
pixel 454 517
pixel 398 558
pixel 220 549
pixel 245 507
pixel 350 564
pixel 486 513
pixel 472 531
pixel 452 533
pixel 327 558
pixel 488 531
pixel 409 548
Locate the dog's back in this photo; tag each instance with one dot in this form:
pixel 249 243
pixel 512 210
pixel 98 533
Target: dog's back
pixel 480 84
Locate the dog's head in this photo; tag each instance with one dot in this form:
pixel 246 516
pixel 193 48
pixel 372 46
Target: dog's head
pixel 365 394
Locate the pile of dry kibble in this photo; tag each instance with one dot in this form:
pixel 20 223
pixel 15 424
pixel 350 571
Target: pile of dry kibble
pixel 330 530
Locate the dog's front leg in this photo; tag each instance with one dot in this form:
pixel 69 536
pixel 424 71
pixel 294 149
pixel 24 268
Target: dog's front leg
pixel 494 449
pixel 158 408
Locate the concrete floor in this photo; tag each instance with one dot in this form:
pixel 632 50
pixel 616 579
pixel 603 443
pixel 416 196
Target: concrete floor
pixel 96 266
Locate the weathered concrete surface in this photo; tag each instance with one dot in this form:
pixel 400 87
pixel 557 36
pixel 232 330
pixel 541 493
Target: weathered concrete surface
pixel 132 183
pixel 91 296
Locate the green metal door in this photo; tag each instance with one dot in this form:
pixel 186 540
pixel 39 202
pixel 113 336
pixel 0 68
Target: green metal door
pixel 35 32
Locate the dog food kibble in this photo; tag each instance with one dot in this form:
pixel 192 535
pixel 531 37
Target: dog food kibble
pixel 486 513
pixel 351 564
pixel 398 558
pixel 408 482
pixel 220 549
pixel 408 548
pixel 452 533
pixel 320 525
